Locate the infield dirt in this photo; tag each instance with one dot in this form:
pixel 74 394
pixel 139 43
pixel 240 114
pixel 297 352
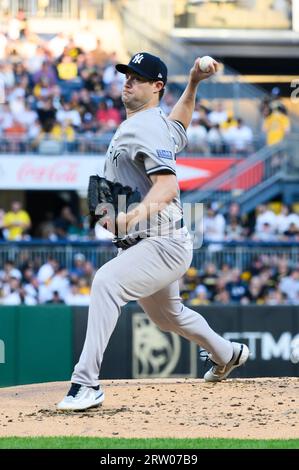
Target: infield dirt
pixel 181 408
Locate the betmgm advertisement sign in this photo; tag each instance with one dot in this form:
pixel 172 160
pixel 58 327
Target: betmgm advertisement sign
pixel 157 353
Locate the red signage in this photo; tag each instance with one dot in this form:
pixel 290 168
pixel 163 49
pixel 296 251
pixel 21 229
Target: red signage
pixel 205 169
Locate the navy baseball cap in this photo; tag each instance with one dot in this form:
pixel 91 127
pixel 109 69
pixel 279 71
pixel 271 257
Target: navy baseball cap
pixel 146 65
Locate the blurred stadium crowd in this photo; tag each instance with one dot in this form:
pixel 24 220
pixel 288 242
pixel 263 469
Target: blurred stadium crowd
pixel 267 280
pixel 64 95
pixel 264 279
pixel 271 223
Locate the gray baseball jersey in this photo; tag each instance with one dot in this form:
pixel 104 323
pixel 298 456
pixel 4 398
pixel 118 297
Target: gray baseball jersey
pixel 144 144
pixel 149 270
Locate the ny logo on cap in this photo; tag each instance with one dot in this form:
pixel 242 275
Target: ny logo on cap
pixel 138 58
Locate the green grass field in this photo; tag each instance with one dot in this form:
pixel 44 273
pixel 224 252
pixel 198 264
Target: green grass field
pixel 116 443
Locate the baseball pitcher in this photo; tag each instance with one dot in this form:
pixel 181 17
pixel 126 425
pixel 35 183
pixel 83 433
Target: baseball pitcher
pixel 155 248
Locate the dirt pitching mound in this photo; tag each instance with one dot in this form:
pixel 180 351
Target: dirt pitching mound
pixel 247 408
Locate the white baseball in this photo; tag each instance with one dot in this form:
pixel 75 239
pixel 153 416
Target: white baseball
pixel 205 62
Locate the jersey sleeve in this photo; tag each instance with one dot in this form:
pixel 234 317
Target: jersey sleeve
pixel 179 134
pixel 156 144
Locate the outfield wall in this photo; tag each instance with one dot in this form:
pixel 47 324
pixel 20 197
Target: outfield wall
pixel 42 343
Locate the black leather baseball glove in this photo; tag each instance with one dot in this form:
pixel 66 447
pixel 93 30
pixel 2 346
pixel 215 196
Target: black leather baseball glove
pixel 103 194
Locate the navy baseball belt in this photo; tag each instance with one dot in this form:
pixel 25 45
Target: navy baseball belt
pixel 129 241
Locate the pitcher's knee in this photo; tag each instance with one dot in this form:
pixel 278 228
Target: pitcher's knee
pixel 102 283
pixel 165 326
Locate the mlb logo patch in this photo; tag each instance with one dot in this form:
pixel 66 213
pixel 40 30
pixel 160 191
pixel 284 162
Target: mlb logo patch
pixel 165 154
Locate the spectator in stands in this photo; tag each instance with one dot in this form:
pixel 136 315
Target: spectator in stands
pixel 290 286
pixel 282 222
pixel 46 111
pixel 276 126
pixel 72 50
pixel 9 270
pixel 68 115
pixel 197 137
pixel 79 264
pixel 200 297
pixel 266 233
pixel 265 216
pixel 47 270
pixel 27 117
pixel 74 297
pixel 239 139
pixel 17 222
pixel 60 282
pixel 89 272
pixel 46 228
pixel 224 274
pixel 291 219
pixel 108 118
pixel 214 227
pixel 46 74
pixel 216 140
pixel 236 288
pixel 292 233
pixel 222 298
pixel 31 286
pixel 10 292
pixel 218 115
pixel 256 290
pixel 230 122
pixel 34 63
pixel 188 282
pixel 67 69
pixel 85 103
pixel 66 224
pixel 275 297
pixel 209 279
pixel 235 218
pixel 282 270
pixel 55 298
pixel 234 231
pixel 92 81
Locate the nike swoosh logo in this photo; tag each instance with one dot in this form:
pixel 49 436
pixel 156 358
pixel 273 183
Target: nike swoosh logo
pixel 99 396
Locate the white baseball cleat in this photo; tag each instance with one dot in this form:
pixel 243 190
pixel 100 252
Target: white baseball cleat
pixel 81 397
pixel 218 373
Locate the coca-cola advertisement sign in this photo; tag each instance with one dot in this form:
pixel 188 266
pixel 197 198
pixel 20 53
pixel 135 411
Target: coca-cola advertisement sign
pixel 58 172
pixel 33 172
